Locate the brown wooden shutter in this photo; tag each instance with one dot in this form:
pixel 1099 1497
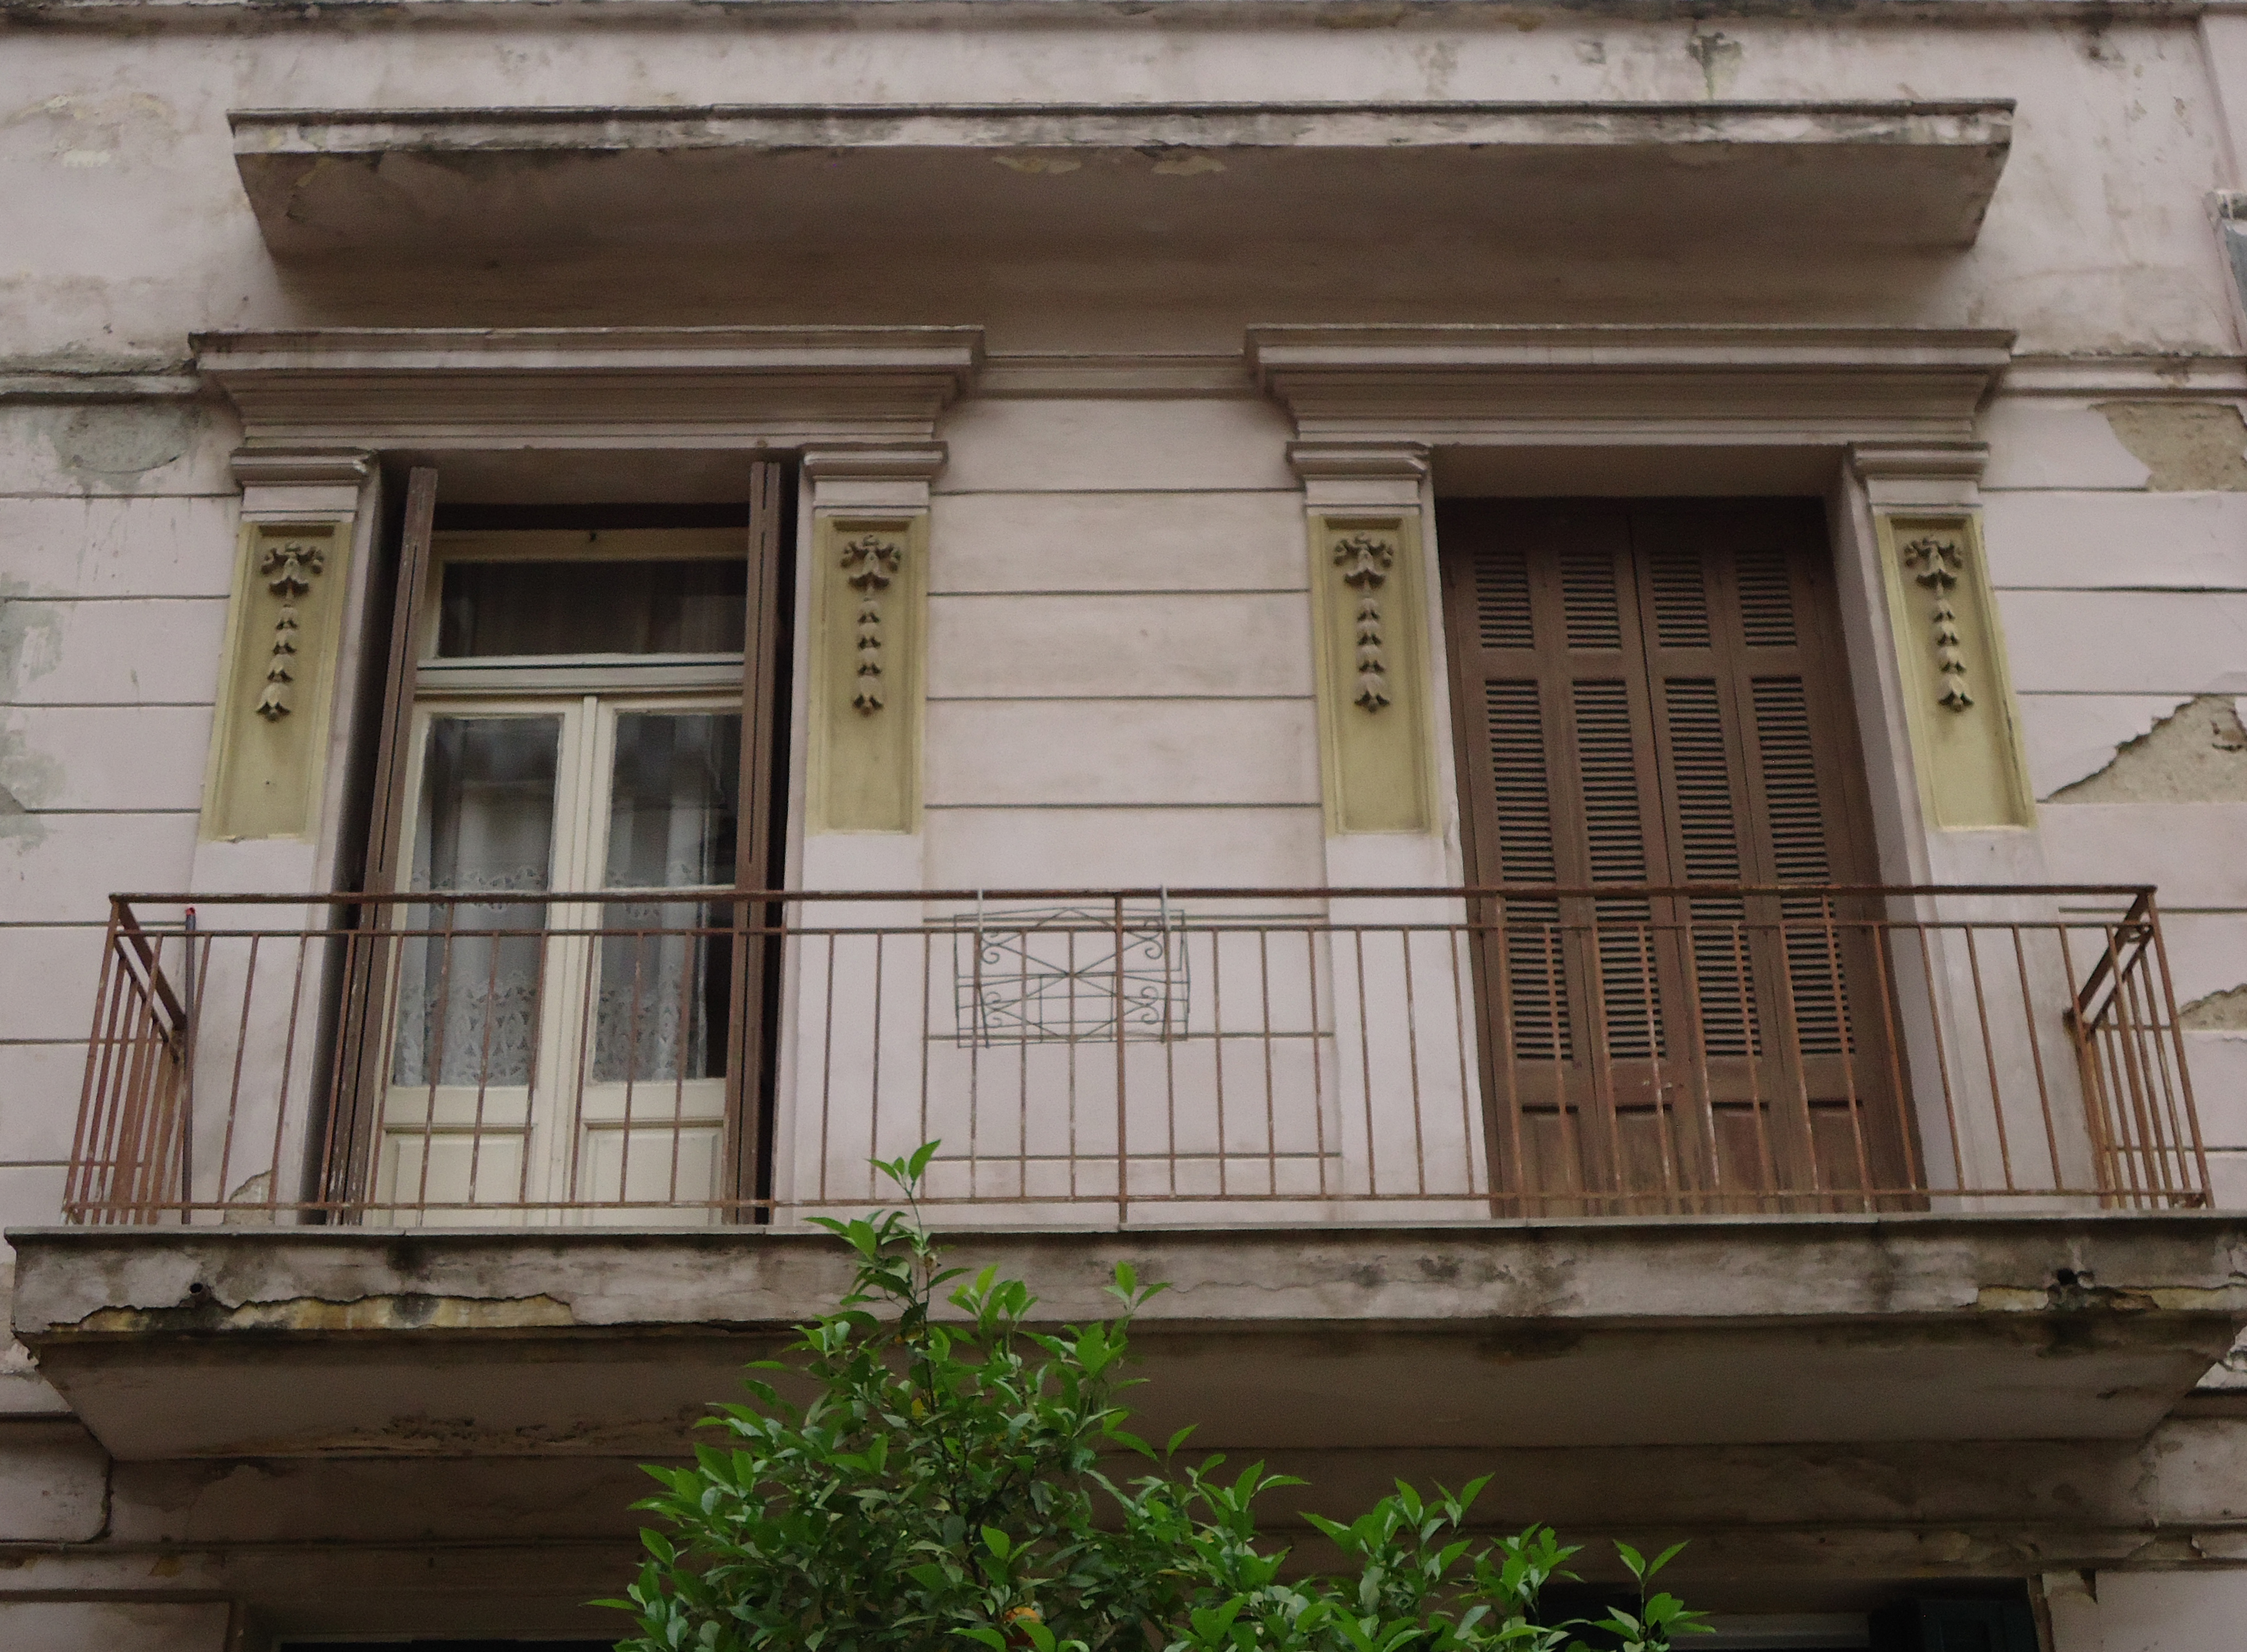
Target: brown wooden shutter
pixel 362 1062
pixel 1662 700
pixel 757 924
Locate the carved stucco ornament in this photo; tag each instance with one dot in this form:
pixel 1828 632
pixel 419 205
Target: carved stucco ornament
pixel 1935 562
pixel 288 569
pixel 1365 560
pixel 870 566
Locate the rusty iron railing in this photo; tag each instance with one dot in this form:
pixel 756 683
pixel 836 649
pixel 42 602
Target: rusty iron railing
pixel 1185 1056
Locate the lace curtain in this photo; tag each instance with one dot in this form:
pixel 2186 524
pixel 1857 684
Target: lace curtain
pixel 468 988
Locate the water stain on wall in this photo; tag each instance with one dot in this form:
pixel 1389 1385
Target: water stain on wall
pixel 115 445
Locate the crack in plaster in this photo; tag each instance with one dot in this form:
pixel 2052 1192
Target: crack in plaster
pixel 409 1312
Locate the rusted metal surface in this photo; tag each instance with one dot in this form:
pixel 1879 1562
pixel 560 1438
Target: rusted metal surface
pixel 1182 1055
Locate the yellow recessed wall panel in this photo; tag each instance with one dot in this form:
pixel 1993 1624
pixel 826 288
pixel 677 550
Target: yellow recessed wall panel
pixel 1958 696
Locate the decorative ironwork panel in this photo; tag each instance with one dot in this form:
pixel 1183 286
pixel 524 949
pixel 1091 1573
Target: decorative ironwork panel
pixel 1057 976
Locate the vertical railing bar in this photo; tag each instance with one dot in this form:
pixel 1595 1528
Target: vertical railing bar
pixel 2036 1060
pixel 2098 1110
pixel 1122 1117
pixel 1365 1065
pixel 1697 1057
pixel 1850 1099
pixel 1318 1057
pixel 483 1074
pixel 827 1074
pixel 1271 1103
pixel 234 1078
pixel 1071 1059
pixel 1022 1069
pixel 281 1112
pixel 693 962
pixel 2202 1185
pixel 927 1015
pixel 1217 1045
pixel 1990 1054
pixel 435 1057
pixel 394 998
pixel 1791 1031
pixel 77 1177
pixel 1914 1164
pixel 1455 938
pixel 587 1045
pixel 1412 1061
pixel 1942 1056
pixel 874 1066
pixel 1665 1139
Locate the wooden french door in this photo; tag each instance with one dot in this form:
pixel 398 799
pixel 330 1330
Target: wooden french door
pixel 605 715
pixel 1652 693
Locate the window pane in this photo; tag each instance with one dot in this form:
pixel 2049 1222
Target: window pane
pixel 666 967
pixel 684 607
pixel 469 976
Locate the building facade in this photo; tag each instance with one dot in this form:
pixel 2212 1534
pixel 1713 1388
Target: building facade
pixel 1542 698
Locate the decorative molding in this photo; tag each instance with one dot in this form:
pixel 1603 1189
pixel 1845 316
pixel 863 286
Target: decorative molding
pixel 1092 377
pixel 1355 461
pixel 269 743
pixel 868 641
pixel 1365 558
pixel 288 568
pixel 1966 744
pixel 301 467
pixel 1370 658
pixel 465 389
pixel 1935 561
pixel 1627 386
pixel 869 564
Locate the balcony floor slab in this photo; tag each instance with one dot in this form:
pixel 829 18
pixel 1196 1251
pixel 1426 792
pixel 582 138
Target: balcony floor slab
pixel 282 1342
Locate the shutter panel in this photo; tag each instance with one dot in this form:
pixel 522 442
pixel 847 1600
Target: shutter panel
pixel 757 925
pixel 1658 698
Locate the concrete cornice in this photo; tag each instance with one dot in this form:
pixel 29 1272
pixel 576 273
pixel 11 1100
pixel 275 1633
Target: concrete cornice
pixel 465 388
pixel 1355 15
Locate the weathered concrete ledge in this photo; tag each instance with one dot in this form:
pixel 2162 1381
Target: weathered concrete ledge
pixel 1890 173
pixel 282 1342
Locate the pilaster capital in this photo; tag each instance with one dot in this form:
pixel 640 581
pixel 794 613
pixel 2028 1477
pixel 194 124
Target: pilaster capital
pixel 299 483
pixel 873 476
pixel 1920 474
pixel 1350 475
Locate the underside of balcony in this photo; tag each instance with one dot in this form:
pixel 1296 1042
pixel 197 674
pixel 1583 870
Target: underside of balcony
pixel 265 1342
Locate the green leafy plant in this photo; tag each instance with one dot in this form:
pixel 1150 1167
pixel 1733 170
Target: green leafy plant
pixel 944 1489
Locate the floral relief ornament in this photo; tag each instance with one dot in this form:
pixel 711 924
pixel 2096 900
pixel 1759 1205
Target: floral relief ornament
pixel 1937 560
pixel 1365 560
pixel 287 568
pixel 870 563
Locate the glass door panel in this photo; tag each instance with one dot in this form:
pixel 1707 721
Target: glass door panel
pixel 652 1113
pixel 470 976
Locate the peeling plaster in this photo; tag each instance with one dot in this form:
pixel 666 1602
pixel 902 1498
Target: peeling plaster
pixel 2223 1012
pixel 2195 754
pixel 2190 447
pixel 413 1311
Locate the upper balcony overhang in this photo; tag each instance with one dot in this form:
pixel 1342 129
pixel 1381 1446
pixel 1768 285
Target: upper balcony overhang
pixel 173 1341
pixel 1655 177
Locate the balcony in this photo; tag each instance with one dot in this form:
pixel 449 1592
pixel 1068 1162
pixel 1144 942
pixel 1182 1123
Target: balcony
pixel 1134 1056
pixel 482 1173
